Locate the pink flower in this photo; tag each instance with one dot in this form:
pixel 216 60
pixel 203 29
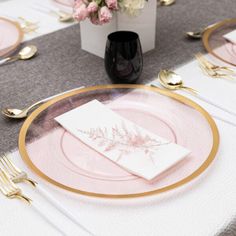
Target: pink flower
pixel 81 12
pixel 92 7
pixel 104 15
pixel 94 19
pixel 112 4
pixel 78 3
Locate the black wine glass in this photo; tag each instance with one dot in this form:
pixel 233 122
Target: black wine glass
pixel 123 57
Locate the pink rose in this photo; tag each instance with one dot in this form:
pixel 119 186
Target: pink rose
pixel 77 3
pixel 92 7
pixel 81 12
pixel 112 4
pixel 94 19
pixel 104 15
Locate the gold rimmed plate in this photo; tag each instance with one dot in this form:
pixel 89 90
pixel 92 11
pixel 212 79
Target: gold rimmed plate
pixel 11 36
pixel 64 161
pixel 217 45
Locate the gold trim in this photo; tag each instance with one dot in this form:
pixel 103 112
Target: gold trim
pixel 182 99
pixel 209 32
pixel 21 35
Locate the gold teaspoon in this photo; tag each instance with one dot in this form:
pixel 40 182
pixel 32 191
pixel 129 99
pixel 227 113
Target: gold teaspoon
pixel 23 113
pixel 166 2
pixel 198 34
pixel 195 35
pixel 170 80
pixel 24 54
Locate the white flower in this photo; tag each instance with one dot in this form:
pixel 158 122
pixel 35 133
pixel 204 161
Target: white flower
pixel 132 7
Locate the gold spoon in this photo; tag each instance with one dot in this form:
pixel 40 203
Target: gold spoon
pixel 198 34
pixel 23 113
pixel 65 17
pixel 166 2
pixel 24 54
pixel 61 15
pixel 170 80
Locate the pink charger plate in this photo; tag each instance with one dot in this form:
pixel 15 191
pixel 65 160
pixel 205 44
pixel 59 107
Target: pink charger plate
pixel 217 45
pixel 11 36
pixel 63 160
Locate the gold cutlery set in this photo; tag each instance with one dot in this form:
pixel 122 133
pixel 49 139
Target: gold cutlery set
pixel 10 175
pixel 214 71
pixel 28 26
pixel 61 16
pixel 172 81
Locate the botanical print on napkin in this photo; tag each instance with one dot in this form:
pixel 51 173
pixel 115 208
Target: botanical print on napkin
pixel 130 146
pixel 125 140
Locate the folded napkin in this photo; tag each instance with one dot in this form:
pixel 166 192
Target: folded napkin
pixel 231 36
pixel 132 147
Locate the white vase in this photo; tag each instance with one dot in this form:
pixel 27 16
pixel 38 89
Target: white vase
pixel 93 37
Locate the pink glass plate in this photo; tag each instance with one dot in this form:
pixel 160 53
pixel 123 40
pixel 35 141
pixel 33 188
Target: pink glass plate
pixel 217 45
pixel 10 36
pixel 61 157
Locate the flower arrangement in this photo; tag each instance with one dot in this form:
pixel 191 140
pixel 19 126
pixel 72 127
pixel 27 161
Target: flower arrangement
pixel 100 11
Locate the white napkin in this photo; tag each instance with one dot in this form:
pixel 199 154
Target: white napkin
pixel 130 146
pixel 231 36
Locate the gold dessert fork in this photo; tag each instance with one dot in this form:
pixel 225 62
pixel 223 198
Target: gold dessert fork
pixel 28 26
pixel 17 175
pixel 10 190
pixel 14 172
pixel 213 70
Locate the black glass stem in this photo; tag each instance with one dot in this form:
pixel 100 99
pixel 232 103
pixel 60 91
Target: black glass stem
pixel 123 57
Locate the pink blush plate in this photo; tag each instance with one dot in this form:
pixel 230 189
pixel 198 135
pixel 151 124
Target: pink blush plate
pixel 64 159
pixel 10 36
pixel 217 45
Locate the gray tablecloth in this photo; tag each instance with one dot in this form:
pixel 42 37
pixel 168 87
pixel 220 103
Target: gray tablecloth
pixel 62 65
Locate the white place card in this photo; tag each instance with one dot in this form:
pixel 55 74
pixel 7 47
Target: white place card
pixel 231 36
pixel 130 146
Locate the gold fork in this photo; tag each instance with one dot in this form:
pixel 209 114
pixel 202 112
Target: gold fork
pixel 213 70
pixel 28 26
pixel 212 66
pixel 15 173
pixel 9 189
pixel 215 74
pixel 18 176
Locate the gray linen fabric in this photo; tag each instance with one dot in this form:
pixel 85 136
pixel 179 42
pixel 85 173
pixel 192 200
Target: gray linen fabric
pixel 62 65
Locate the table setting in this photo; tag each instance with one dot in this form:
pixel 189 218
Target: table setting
pixel 117 117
